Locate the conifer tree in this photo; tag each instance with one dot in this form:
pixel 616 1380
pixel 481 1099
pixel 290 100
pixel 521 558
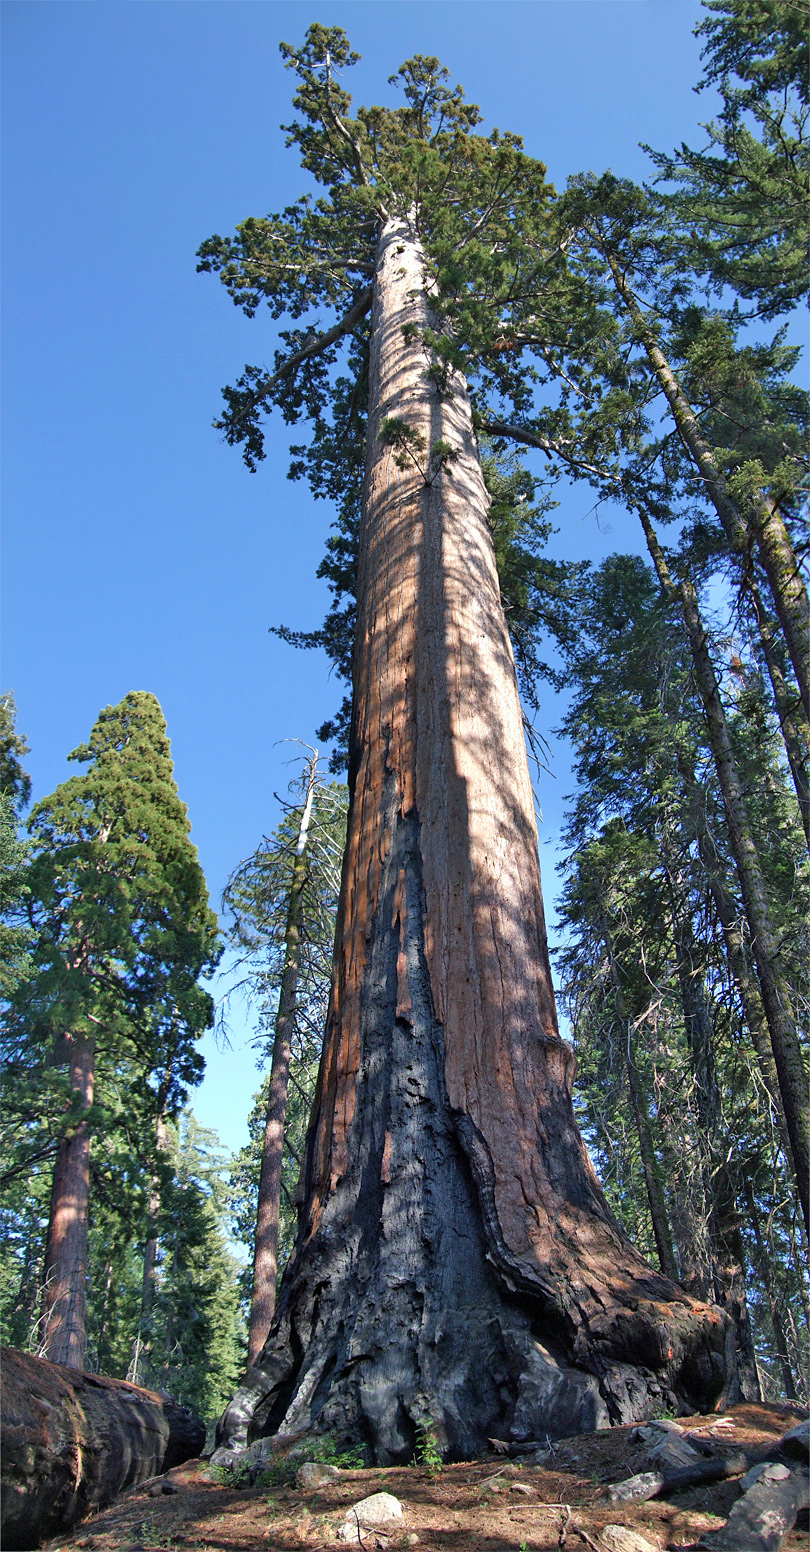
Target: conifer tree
pixel 744 198
pixel 621 329
pixel 198 1335
pixel 124 932
pixel 451 1221
pixel 658 1003
pixel 284 901
pixel 15 791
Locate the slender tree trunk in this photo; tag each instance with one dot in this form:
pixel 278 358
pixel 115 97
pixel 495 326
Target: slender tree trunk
pixel 103 1317
pixel 762 1262
pixel 265 1256
pixel 456 1258
pixel 764 520
pixel 729 1265
pixel 649 1162
pixel 776 997
pixel 139 1371
pixel 719 1196
pixel 64 1298
pixel 732 928
pixel 792 719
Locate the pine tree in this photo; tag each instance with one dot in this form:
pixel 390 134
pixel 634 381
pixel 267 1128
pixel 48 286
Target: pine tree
pixel 284 900
pixel 744 198
pixel 450 1217
pixel 659 1006
pixel 627 331
pixel 15 791
pixel 198 1335
pixel 119 905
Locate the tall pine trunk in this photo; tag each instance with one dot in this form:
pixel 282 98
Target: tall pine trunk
pixel 64 1295
pixel 456 1259
pixel 649 1163
pixel 265 1255
pixel 792 719
pixel 776 993
pixel 760 522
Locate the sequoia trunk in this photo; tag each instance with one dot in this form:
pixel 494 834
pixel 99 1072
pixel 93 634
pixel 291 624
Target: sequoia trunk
pixel 456 1259
pixel 72 1442
pixel 64 1296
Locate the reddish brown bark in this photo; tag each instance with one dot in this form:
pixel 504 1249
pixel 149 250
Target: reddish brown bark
pixel 64 1298
pixel 456 1257
pixel 72 1442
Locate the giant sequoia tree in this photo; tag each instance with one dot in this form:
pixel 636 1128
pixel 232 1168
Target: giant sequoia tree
pixel 456 1259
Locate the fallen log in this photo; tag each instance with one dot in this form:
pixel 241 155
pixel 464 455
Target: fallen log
pixel 660 1484
pixel 766 1513
pixel 73 1441
pixel 792 1448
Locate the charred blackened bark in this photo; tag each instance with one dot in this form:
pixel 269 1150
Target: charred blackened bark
pixel 456 1258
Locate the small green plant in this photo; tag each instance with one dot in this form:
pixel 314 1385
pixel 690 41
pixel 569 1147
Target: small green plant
pixel 234 1474
pixel 150 1533
pixel 427 1452
pixel 323 1448
pixel 276 1473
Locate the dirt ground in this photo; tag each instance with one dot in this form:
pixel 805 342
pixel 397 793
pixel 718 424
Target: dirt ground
pixel 491 1505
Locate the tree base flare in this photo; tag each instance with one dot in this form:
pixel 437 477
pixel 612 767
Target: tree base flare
pixel 403 1306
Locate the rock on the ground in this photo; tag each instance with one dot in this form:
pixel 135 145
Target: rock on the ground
pixel 666 1446
pixel 620 1538
pixel 796 1443
pixel 313 1473
pixel 377 1510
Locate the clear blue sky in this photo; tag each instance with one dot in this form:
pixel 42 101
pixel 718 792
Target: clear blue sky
pixel 138 551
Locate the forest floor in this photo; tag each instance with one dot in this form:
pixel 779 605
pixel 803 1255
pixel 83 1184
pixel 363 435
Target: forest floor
pixel 489 1505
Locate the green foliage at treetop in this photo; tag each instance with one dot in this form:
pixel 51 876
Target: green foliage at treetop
pixel 119 904
pixel 744 199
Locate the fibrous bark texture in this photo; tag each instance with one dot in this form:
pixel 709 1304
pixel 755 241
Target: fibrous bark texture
pixel 456 1258
pixel 72 1442
pixel 64 1294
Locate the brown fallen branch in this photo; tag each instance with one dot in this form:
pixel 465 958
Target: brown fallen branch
pixel 73 1441
pixel 659 1484
pixel 791 1449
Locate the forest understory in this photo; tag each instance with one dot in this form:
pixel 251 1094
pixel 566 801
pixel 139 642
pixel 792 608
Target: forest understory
pixel 490 1505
